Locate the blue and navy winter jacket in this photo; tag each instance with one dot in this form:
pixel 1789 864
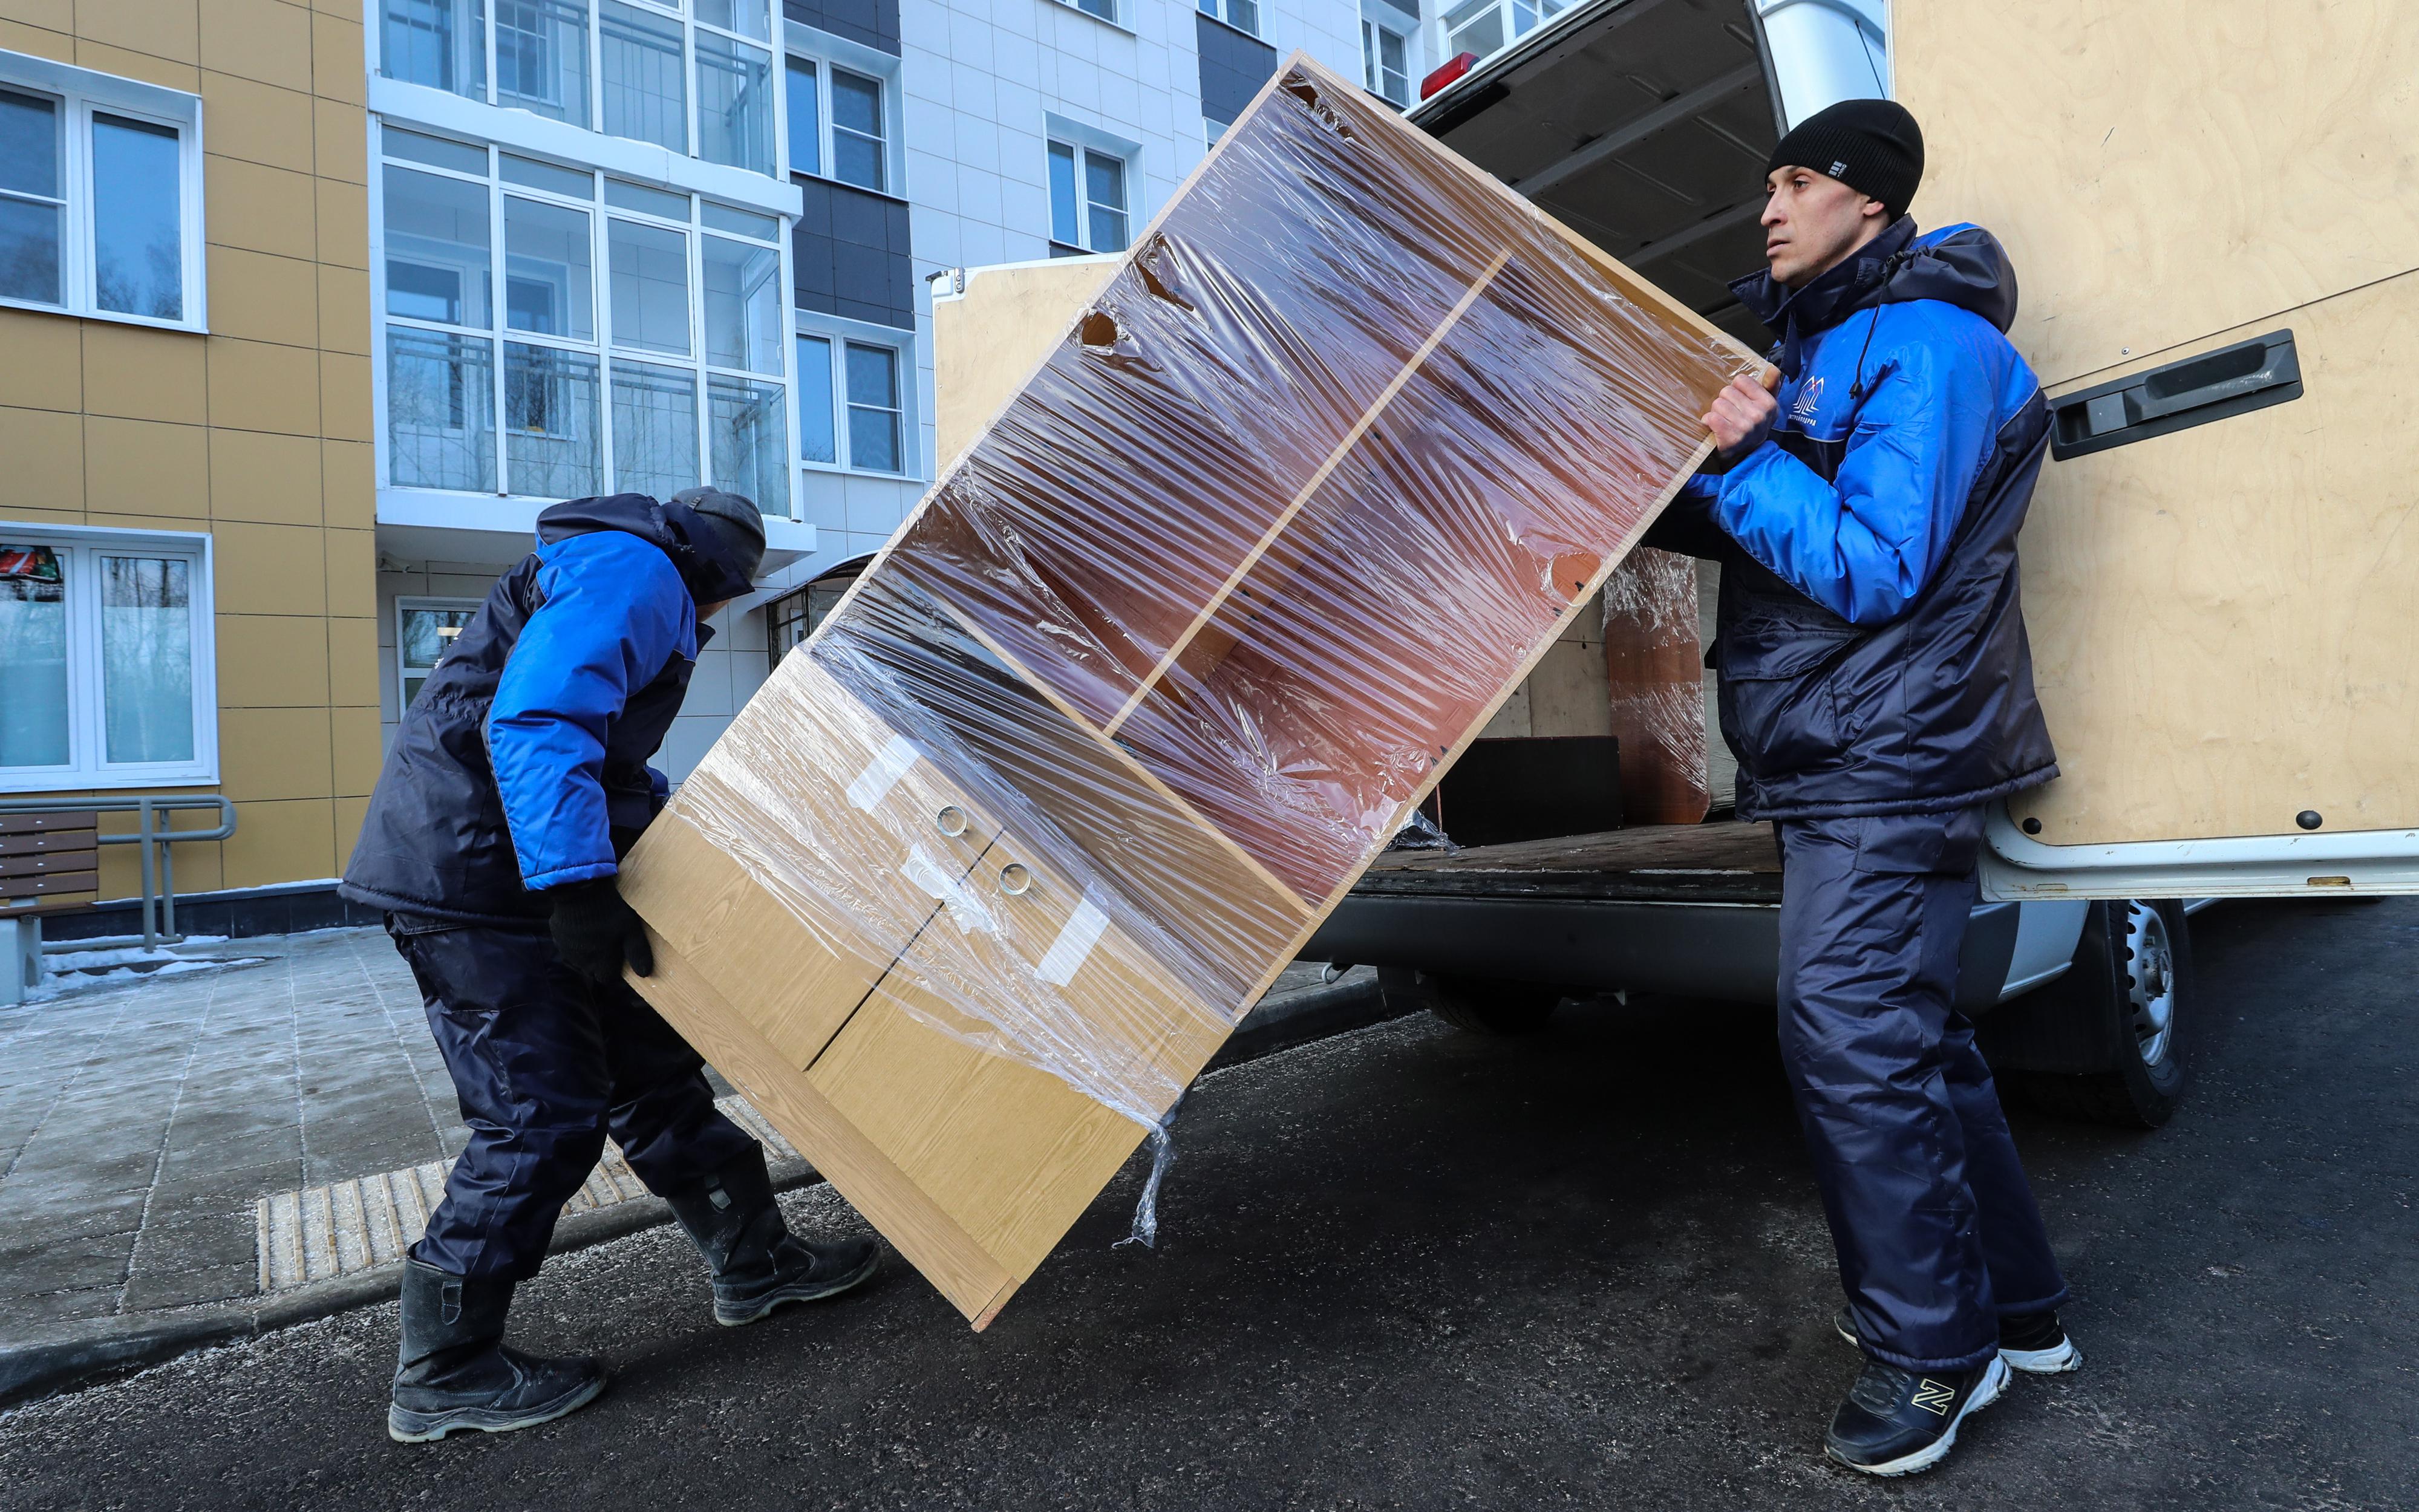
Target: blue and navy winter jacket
pixel 522 764
pixel 1872 644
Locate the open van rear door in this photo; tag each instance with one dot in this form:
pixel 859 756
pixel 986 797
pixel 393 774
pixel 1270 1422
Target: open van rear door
pixel 2212 208
pixel 2210 205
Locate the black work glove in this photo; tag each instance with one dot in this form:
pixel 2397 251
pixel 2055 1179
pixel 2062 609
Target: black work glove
pixel 597 932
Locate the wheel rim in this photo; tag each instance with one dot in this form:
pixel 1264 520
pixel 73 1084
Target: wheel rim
pixel 2150 981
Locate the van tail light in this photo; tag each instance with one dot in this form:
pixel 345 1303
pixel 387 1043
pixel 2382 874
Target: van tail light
pixel 1461 64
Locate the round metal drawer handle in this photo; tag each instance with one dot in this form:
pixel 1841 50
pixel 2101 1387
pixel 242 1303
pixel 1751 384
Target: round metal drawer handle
pixel 951 821
pixel 1014 880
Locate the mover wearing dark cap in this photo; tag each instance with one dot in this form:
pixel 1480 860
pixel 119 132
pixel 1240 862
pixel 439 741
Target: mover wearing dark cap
pixel 1877 689
pixel 516 781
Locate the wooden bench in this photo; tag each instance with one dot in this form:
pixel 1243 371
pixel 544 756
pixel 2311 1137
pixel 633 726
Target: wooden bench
pixel 46 857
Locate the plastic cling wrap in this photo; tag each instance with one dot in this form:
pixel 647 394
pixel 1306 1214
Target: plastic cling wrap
pixel 1657 687
pixel 1174 648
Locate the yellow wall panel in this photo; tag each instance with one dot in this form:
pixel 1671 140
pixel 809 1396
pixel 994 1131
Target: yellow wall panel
pixel 344 309
pixel 339 141
pixel 127 64
pixel 172 523
pixel 53 15
pixel 264 40
pixel 353 665
pixel 45 365
pixel 351 575
pixel 271 569
pixel 345 396
pixel 272 661
pixel 163 28
pixel 257 385
pixel 258 476
pixel 348 485
pixel 258 122
pixel 260 298
pixel 288 840
pixel 338 69
pixel 344 221
pixel 274 754
pixel 139 373
pixel 45 461
pixel 259 208
pixel 146 467
pixel 349 814
pixel 355 736
pixel 37 40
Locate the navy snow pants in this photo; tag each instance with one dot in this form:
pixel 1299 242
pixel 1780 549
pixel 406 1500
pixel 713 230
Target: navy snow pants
pixel 545 1064
pixel 1935 1225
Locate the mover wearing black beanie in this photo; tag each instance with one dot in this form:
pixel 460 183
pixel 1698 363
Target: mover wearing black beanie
pixel 1871 146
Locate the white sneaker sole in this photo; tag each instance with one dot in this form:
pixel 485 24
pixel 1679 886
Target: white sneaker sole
pixel 2055 1362
pixel 1995 1380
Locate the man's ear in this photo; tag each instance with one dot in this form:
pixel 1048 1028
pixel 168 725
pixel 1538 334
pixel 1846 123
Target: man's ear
pixel 1872 207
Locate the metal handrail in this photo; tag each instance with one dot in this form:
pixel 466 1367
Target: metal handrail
pixel 159 874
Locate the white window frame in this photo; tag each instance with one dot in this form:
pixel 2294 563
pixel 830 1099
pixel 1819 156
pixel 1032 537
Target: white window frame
pixel 404 604
pixel 1373 60
pixel 1538 12
pixel 1057 130
pixel 842 333
pixel 88 767
pixel 1115 11
pixel 1223 11
pixel 675 12
pixel 825 52
pixel 602 347
pixel 81 92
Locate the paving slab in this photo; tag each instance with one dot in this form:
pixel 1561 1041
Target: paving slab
pixel 147 1120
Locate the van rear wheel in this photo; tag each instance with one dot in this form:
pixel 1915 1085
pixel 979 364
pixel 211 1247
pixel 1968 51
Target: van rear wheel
pixel 2139 955
pixel 1475 1004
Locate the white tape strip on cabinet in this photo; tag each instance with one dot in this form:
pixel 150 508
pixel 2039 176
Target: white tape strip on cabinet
pixel 881 774
pixel 1073 945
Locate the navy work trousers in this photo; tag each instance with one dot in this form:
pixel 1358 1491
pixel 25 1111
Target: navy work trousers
pixel 544 1063
pixel 1935 1226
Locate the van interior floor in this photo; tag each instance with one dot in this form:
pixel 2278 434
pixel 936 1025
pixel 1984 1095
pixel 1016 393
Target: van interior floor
pixel 1719 861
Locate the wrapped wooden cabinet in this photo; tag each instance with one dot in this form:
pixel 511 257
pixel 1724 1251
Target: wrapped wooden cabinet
pixel 983 876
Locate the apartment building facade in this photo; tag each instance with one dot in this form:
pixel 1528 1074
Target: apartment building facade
pixel 188 596
pixel 870 144
pixel 309 309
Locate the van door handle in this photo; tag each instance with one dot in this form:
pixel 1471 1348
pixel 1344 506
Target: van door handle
pixel 2231 380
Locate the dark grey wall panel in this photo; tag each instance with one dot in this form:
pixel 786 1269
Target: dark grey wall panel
pixel 1233 67
pixel 874 23
pixel 850 254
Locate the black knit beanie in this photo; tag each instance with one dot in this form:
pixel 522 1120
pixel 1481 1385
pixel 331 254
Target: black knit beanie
pixel 1871 146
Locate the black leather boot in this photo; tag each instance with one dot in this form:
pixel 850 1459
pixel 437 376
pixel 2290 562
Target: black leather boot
pixel 455 1370
pixel 758 1263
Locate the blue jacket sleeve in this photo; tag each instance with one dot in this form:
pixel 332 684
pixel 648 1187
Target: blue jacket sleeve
pixel 1864 545
pixel 614 612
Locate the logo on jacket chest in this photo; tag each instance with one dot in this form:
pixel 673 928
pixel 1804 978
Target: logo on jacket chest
pixel 1810 397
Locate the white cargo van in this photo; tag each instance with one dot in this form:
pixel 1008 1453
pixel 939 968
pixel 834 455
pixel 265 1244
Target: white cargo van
pixel 2212 209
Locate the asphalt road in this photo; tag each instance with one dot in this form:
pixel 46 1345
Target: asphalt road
pixel 1411 1269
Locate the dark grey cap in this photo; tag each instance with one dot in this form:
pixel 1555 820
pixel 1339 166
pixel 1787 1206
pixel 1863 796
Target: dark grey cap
pixel 735 523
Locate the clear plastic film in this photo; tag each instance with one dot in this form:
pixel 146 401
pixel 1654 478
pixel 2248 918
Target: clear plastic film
pixel 1655 665
pixel 1172 651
